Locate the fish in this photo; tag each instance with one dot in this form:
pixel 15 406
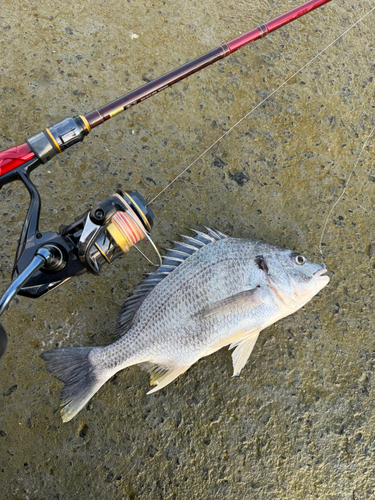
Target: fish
pixel 211 291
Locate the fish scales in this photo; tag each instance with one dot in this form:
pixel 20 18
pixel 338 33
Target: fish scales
pixel 215 291
pixel 182 294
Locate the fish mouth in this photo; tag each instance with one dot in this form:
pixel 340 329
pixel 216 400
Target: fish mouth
pixel 319 274
pixel 320 271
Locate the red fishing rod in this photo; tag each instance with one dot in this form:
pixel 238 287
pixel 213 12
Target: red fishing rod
pixel 62 135
pixel 46 260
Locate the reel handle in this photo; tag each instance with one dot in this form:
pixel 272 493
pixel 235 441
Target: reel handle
pixel 3 340
pixel 44 257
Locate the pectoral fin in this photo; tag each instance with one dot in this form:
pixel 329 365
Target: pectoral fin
pixel 242 352
pixel 236 303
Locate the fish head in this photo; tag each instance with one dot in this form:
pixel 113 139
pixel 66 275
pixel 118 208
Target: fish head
pixel 294 279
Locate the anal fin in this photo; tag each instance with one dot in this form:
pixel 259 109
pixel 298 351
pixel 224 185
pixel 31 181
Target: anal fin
pixel 242 352
pixel 161 376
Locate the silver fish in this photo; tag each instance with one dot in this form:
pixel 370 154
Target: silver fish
pixel 211 291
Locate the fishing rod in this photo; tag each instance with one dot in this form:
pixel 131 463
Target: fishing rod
pixel 45 260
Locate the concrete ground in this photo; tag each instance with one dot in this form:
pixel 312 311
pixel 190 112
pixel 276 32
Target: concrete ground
pixel 299 423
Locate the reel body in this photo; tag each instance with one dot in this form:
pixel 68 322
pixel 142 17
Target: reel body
pixel 96 238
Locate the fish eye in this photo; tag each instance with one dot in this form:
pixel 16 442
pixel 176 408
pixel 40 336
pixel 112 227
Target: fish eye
pixel 299 259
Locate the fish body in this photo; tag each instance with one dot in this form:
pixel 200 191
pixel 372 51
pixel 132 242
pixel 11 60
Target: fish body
pixel 211 291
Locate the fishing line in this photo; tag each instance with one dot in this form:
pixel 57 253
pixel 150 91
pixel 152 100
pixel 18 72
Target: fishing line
pixel 343 192
pixel 258 105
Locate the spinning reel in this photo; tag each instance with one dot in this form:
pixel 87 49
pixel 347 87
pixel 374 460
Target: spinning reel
pixel 46 260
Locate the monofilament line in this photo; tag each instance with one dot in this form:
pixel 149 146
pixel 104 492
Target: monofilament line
pixel 343 192
pixel 258 105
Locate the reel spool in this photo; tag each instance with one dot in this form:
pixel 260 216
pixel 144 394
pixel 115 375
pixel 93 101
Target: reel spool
pixel 113 227
pixel 125 228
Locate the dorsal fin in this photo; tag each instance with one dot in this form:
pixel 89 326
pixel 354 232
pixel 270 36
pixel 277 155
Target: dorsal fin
pixel 173 258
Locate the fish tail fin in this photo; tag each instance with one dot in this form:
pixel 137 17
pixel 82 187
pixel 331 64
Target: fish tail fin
pixel 81 375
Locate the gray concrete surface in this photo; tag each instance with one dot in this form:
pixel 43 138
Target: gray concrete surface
pixel 299 422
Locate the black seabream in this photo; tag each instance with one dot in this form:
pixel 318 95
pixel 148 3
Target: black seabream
pixel 211 291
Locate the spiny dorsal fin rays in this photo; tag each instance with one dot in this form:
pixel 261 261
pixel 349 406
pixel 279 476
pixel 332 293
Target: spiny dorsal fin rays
pixel 166 250
pixel 184 247
pixel 203 237
pixel 192 241
pixel 174 257
pixel 189 245
pixel 217 235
